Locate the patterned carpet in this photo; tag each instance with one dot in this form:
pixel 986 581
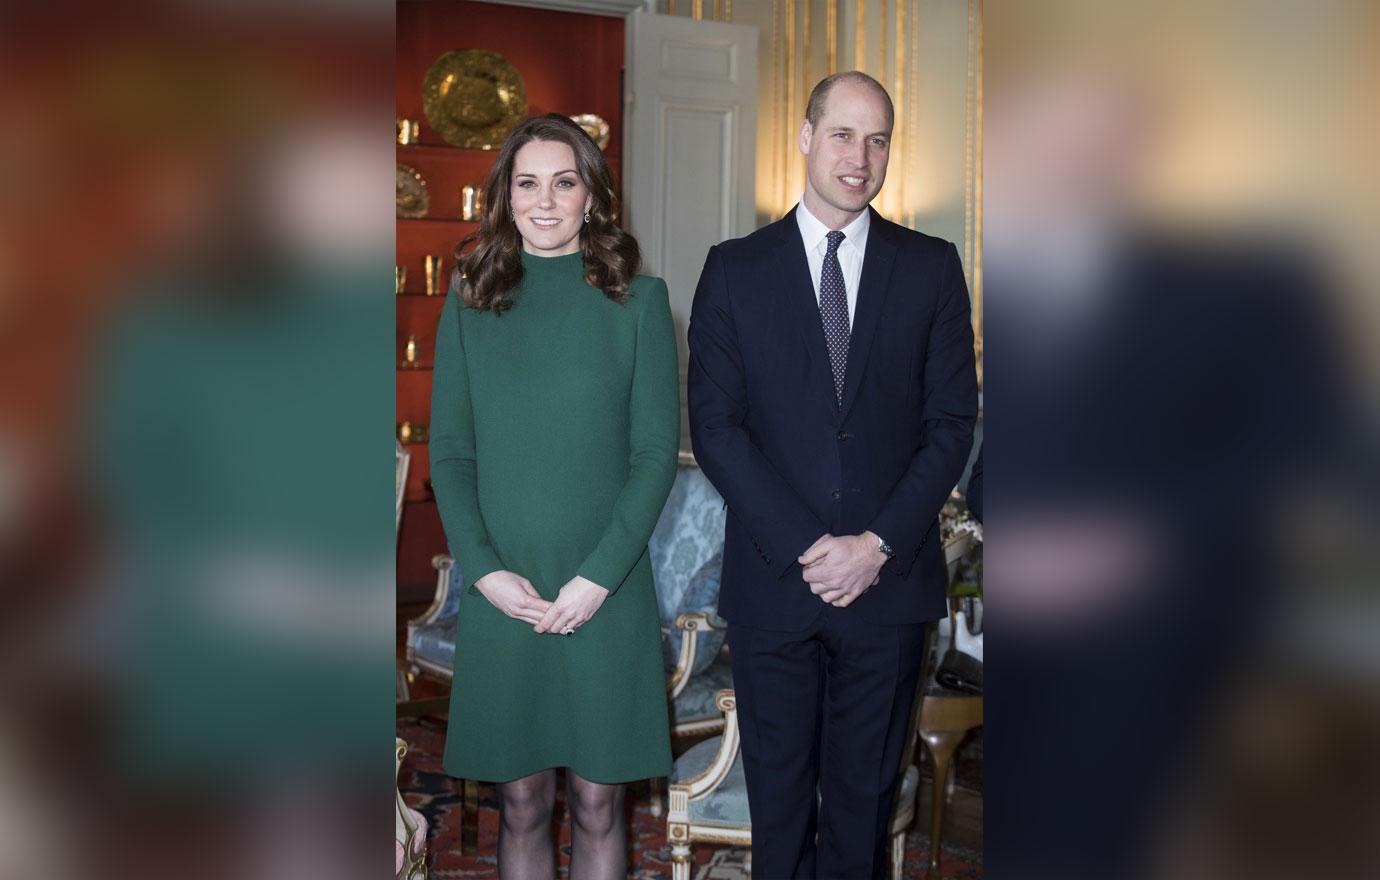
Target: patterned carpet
pixel 426 787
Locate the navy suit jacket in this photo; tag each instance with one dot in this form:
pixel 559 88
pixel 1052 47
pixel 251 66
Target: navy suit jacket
pixel 793 464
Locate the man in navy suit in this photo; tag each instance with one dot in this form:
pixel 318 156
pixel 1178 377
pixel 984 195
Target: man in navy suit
pixel 832 398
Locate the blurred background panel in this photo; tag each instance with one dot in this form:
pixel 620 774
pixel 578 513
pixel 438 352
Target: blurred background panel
pixel 194 537
pixel 1178 212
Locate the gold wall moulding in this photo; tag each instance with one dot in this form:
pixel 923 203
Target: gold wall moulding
pixel 473 98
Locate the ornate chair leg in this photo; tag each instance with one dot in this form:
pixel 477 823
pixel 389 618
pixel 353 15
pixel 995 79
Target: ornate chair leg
pixel 680 861
pixel 942 745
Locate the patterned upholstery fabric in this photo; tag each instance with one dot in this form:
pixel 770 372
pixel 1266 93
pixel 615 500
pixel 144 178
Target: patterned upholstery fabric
pixel 689 532
pixel 451 610
pixel 702 595
pixel 726 805
pixel 435 641
pixel 696 702
pixel 687 557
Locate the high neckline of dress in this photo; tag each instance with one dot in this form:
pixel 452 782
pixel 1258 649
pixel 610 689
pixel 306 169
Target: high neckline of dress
pixel 564 266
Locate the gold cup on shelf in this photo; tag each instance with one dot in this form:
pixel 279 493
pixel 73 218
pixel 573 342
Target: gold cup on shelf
pixel 408 131
pixel 471 202
pixel 412 432
pixel 400 279
pixel 432 265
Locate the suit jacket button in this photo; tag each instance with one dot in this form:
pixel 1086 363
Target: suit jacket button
pixel 843 436
pixel 836 494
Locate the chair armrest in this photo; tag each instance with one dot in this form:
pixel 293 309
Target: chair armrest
pixel 717 771
pixel 690 623
pixel 443 564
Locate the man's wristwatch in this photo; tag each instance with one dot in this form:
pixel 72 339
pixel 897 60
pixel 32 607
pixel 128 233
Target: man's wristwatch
pixel 886 548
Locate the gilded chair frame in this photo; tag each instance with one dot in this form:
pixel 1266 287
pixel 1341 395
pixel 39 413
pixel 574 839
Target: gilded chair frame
pixel 417 664
pixel 681 831
pixel 690 624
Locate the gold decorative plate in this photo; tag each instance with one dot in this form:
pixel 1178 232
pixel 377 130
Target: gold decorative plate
pixel 473 98
pixel 412 196
pixel 595 127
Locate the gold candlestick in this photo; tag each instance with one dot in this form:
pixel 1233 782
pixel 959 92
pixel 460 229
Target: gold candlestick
pixel 408 130
pixel 471 202
pixel 432 265
pixel 410 352
pixel 400 278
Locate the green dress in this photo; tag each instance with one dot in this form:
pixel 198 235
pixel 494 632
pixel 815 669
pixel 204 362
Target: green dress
pixel 554 432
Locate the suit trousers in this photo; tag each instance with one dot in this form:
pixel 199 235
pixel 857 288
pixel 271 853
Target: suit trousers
pixel 824 714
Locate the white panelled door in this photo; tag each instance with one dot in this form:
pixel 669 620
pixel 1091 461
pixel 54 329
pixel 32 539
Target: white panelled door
pixel 690 129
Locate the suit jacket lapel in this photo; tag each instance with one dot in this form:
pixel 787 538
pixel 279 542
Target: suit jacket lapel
pixel 872 291
pixel 799 290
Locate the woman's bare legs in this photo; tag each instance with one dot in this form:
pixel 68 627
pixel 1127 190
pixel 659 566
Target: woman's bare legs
pixel 599 838
pixel 525 848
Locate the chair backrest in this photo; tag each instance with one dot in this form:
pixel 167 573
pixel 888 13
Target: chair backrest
pixel 688 534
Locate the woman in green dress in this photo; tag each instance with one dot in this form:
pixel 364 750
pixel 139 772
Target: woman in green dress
pixel 555 422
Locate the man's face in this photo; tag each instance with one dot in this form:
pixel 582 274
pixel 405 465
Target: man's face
pixel 846 153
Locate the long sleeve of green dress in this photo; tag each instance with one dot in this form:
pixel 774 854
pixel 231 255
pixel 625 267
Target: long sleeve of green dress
pixel 654 416
pixel 454 463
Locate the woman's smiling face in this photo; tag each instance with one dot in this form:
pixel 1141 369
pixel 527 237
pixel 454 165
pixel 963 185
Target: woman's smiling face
pixel 549 199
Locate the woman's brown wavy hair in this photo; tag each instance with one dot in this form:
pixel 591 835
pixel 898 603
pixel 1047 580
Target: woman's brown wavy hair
pixel 489 261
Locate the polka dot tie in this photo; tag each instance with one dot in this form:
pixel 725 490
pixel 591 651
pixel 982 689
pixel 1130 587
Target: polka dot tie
pixel 833 311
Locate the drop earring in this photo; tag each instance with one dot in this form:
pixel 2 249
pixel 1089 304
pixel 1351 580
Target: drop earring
pixel 586 216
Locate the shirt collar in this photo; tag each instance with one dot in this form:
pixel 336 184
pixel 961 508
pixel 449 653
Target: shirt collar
pixel 813 232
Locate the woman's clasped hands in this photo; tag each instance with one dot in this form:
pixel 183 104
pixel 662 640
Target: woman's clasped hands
pixel 574 605
pixel 515 596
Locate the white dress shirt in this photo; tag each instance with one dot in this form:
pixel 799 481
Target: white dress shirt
pixel 851 250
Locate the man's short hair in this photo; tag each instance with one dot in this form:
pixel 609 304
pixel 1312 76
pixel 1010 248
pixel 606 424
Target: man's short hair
pixel 820 94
